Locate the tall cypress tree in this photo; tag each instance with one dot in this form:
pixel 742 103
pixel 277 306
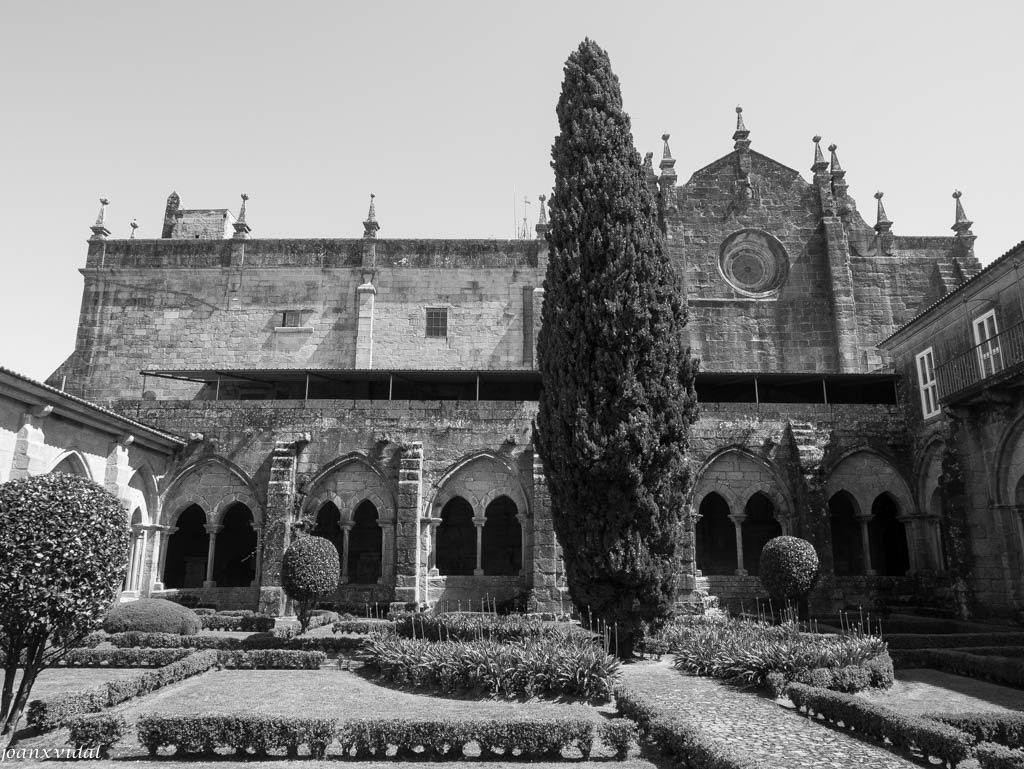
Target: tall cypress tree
pixel 618 393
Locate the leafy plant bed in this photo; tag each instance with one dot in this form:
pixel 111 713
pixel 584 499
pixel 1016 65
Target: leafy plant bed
pixel 574 667
pixel 868 719
pixel 759 654
pixel 382 738
pixel 989 667
pixel 457 626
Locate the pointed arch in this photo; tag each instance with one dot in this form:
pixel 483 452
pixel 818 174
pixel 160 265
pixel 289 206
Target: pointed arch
pixel 347 481
pixel 1008 462
pixel 205 481
pixel 736 474
pixel 71 462
pixel 221 506
pixel 498 478
pixel 141 494
pixel 864 473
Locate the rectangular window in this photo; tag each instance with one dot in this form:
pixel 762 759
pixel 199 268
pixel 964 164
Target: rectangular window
pixel 437 322
pixel 926 383
pixel 290 319
pixel 986 339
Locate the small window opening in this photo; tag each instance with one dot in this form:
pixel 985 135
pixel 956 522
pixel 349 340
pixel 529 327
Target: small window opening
pixel 437 322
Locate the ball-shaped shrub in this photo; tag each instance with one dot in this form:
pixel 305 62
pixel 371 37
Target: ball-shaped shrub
pixel 789 567
pixel 310 571
pixel 152 615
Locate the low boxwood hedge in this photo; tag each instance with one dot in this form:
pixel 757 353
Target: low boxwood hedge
pixel 380 738
pixel 273 659
pixel 951 640
pixel 326 644
pixel 993 756
pixel 239 622
pixel 676 734
pixel 1005 728
pixel 121 658
pixel 1002 670
pixel 362 627
pixel 866 718
pixel 52 712
pixel 98 731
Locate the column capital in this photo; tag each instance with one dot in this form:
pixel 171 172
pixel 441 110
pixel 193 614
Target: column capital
pixel 738 518
pixel 479 521
pixel 213 528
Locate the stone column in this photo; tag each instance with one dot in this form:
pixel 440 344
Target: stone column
pixel 258 576
pixel 434 524
pixel 138 551
pixel 409 552
pixel 118 472
pixel 865 543
pixel 161 537
pixel 479 524
pixel 387 548
pixel 211 529
pixel 522 542
pixel 365 295
pixel 277 527
pixel 346 527
pixel 913 535
pixel 737 521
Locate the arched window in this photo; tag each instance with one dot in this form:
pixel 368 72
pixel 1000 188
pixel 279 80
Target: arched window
pixel 234 563
pixel 758 527
pixel 187 550
pixel 889 554
pixel 364 548
pixel 501 548
pixel 456 539
pixel 847 549
pixel 716 537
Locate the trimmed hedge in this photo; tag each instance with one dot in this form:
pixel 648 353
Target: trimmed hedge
pixel 238 622
pixel 479 627
pixel 377 738
pixel 326 644
pixel 99 731
pixel 1002 670
pixel 951 640
pixel 52 712
pixel 273 659
pixel 320 617
pixel 121 658
pixel 866 718
pixel 679 736
pixel 574 667
pixel 259 734
pixel 876 673
pixel 152 615
pixel 1005 728
pixel 993 756
pixel 362 627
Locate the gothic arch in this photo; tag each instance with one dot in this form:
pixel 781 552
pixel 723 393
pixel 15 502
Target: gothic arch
pixel 221 506
pixel 1009 463
pixel 865 474
pixel 927 472
pixel 347 481
pixel 715 473
pixel 141 494
pixel 173 511
pixel 499 479
pixel 72 462
pixel 193 481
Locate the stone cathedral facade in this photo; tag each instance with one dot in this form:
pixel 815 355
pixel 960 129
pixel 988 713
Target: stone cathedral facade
pixel 380 393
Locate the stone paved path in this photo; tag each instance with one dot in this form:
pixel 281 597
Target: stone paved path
pixel 781 738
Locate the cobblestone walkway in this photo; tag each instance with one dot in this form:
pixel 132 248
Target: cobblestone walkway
pixel 781 738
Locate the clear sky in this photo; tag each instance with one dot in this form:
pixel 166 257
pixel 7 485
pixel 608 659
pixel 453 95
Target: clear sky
pixel 445 110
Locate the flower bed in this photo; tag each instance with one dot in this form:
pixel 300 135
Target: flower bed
pixel 902 732
pixel 748 652
pixel 381 738
pixel 571 666
pixel 676 734
pixel 52 712
pixel 1001 670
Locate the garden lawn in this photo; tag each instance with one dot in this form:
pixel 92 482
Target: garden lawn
pixel 923 691
pixel 54 681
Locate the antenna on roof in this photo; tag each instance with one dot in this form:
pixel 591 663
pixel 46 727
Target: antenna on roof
pixel 524 226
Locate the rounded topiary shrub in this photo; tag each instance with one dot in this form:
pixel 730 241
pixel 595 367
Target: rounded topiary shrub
pixel 789 568
pixel 310 571
pixel 152 615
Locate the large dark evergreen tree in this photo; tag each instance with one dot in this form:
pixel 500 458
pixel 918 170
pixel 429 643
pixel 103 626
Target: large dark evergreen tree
pixel 618 393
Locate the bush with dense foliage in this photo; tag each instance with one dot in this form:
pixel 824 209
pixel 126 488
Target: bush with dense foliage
pixel 748 652
pixel 679 734
pixel 99 731
pixel 788 568
pixel 243 733
pixel 475 627
pixel 993 756
pixel 903 732
pixel 326 644
pixel 52 712
pixel 571 666
pixel 310 572
pixel 362 627
pixel 63 558
pixel 986 726
pixel 152 615
pixel 273 659
pixel 248 621
pixel 618 396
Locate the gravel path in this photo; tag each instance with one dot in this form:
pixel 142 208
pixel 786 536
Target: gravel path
pixel 780 737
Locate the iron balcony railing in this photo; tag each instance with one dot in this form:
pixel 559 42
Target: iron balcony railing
pixel 991 361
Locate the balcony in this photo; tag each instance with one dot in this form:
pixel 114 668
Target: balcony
pixel 974 373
